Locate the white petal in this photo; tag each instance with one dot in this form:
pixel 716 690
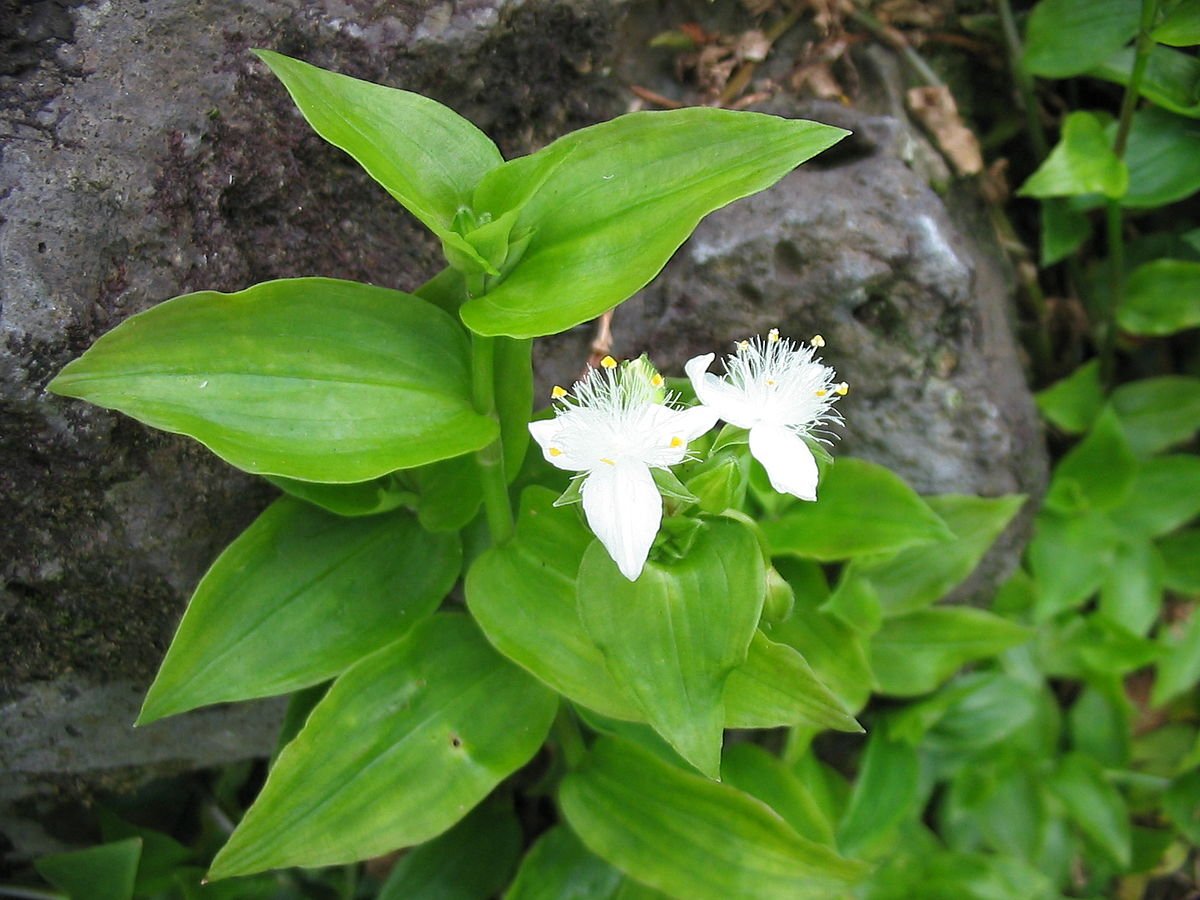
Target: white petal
pixel 624 509
pixel 671 430
pixel 548 432
pixel 718 394
pixel 787 459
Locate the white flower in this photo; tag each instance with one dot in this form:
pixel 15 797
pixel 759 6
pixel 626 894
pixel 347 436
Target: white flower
pixel 615 428
pixel 779 392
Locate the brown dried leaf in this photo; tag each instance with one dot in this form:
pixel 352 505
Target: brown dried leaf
pixel 934 107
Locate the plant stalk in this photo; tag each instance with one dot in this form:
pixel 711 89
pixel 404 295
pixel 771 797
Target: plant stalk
pixel 490 459
pixel 1023 80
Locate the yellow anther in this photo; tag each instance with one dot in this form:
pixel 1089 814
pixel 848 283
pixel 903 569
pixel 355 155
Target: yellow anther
pixel 554 451
pixel 817 341
pixel 656 380
pixel 605 459
pixel 773 335
pixel 608 362
pixel 842 389
pixel 771 381
pixel 558 393
pixel 743 345
pixel 676 441
pixel 822 392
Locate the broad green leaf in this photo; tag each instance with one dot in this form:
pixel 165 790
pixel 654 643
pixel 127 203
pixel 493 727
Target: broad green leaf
pixel 361 498
pixel 161 858
pixel 1064 229
pixel 402 746
pixel 776 686
pixel 1097 473
pixel 1094 806
pixel 1068 37
pixel 1074 402
pixel 885 795
pixel 1181 28
pixel 1070 556
pixel 1131 594
pixel 855 603
pixel 752 769
pixel 1100 725
pixel 1163 156
pixel 629 193
pixel 104 872
pixel 671 638
pixel 1001 803
pixel 1181 561
pixel 559 867
pixel 1158 412
pixel 449 493
pixel 472 861
pixel 296 599
pixel 938 875
pixel 514 399
pixel 691 837
pixel 1171 78
pixel 828 787
pixel 835 528
pixel 427 156
pixel 308 378
pixel 1081 163
pixel 913 654
pixel 1179 670
pixel 1162 297
pixel 984 709
pixel 1181 803
pixel 1165 495
pixel 919 576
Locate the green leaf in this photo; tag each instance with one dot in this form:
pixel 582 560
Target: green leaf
pixel 1064 229
pixel 472 861
pixel 1171 78
pixel 1070 556
pixel 362 498
pixel 1181 561
pixel 1073 403
pixel 1179 670
pixel 671 638
pixel 1181 27
pixel 1162 297
pixel 979 711
pixel 1164 495
pixel 1181 803
pixel 1093 647
pixel 105 872
pixel 885 795
pixel 296 599
pixel 856 604
pixel 402 746
pixel 1094 806
pixel 1068 37
pixel 1081 163
pixel 1163 155
pixel 449 493
pixel 307 378
pixel 629 193
pixel 1158 412
pixel 1100 725
pixel 559 867
pixel 919 576
pixel 937 875
pixel 1002 803
pixel 1097 473
pixel 1131 594
pixel 427 156
pixel 915 653
pixel 691 837
pixel 752 769
pixel 834 527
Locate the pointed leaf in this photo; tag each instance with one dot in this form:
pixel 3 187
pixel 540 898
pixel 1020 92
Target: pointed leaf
pixel 308 378
pixel 1094 805
pixel 691 837
pixel 1070 556
pixel 1074 402
pixel 1158 412
pixel 1181 27
pixel 1162 297
pixel 1097 473
pixel 885 795
pixel 402 746
pixel 1163 155
pixel 1131 594
pixel 296 599
pixel 1170 79
pixel 559 867
pixel 671 638
pixel 105 872
pixel 1179 670
pixel 750 768
pixel 1068 37
pixel 1081 163
pixel 628 194
pixel 1164 495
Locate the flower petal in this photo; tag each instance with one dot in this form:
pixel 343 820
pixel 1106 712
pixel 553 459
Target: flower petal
pixel 624 510
pixel 671 430
pixel 717 393
pixel 789 463
pixel 548 434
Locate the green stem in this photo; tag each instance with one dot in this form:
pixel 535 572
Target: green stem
pixel 491 458
pixel 1145 44
pixel 569 737
pixel 896 41
pixel 1024 81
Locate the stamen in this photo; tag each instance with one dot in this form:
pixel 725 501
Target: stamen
pixel 605 459
pixel 676 441
pixel 822 392
pixel 771 381
pixel 743 345
pixel 656 381
pixel 558 393
pixel 608 362
pixel 842 389
pixel 554 451
pixel 817 341
pixel 773 335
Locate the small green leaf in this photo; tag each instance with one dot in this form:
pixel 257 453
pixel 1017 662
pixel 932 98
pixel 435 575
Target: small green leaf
pixel 362 498
pixel 1070 556
pixel 1181 561
pixel 1165 495
pixel 1162 297
pixel 1181 28
pixel 629 193
pixel 402 746
pixel 1068 37
pixel 855 603
pixel 1179 670
pixel 427 156
pixel 1171 78
pixel 835 528
pixel 1073 403
pixel 1081 163
pixel 471 861
pixel 105 872
pixel 1002 803
pixel 559 867
pixel 915 653
pixel 308 378
pixel 1181 803
pixel 1158 412
pixel 671 638
pixel 449 493
pixel 1064 229
pixel 691 837
pixel 1163 155
pixel 1094 806
pixel 752 769
pixel 1131 594
pixel 1097 473
pixel 1093 647
pixel 1100 725
pixel 295 600
pixel 885 796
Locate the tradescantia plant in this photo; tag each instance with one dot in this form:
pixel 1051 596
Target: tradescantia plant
pixel 628 638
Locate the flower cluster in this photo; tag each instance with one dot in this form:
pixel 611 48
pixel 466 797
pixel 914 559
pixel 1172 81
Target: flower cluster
pixel 618 423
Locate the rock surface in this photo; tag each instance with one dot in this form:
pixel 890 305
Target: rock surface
pixel 146 153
